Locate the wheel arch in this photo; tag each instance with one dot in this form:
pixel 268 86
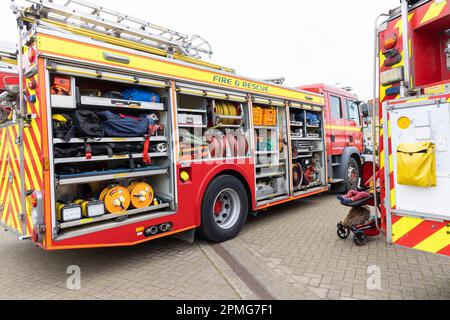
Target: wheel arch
pixel 349 153
pixel 236 172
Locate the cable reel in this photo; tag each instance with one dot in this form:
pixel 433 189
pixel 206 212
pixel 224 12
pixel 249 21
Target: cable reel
pixel 142 195
pixel 117 199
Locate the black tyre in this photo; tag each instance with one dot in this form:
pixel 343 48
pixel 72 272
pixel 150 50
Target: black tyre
pixel 352 175
pixel 360 239
pixel 342 232
pixel 224 209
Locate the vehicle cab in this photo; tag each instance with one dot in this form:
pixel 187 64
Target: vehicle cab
pixel 344 134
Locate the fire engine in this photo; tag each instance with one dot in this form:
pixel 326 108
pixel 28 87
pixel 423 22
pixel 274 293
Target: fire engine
pixel 413 53
pixel 123 135
pixel 344 135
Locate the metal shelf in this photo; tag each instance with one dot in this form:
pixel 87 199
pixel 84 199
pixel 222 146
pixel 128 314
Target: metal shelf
pixel 266 152
pixel 107 217
pixel 120 103
pixel 108 177
pixel 270 196
pixel 266 128
pixel 269 165
pixel 181 125
pixel 307 139
pixel 192 110
pixel 109 140
pixel 106 158
pixel 269 175
pixel 224 126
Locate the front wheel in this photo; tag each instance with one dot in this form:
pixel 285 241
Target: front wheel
pixel 224 209
pixel 352 176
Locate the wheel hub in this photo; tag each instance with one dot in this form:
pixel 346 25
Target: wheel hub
pixel 227 208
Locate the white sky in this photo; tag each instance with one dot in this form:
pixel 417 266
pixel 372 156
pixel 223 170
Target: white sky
pixel 307 42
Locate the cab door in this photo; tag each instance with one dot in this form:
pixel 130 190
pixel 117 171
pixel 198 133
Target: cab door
pixel 445 40
pixel 337 125
pixel 354 136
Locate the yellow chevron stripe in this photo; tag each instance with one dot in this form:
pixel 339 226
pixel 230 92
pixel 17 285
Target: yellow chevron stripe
pixel 434 11
pixel 5 210
pixel 436 242
pixel 5 194
pixel 31 170
pixel 37 133
pixel 16 208
pixel 403 226
pixel 399 24
pixel 33 151
pixel 15 154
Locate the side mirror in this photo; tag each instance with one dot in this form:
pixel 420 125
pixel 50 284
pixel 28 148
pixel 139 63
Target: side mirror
pixel 447 32
pixel 364 109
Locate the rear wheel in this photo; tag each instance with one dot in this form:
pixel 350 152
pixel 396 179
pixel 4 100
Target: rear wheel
pixel 352 175
pixel 224 209
pixel 360 239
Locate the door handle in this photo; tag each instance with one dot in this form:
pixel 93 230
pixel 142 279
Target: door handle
pixel 333 138
pixel 116 58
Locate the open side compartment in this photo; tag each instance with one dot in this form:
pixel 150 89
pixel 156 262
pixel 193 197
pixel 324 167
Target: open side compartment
pixel 271 152
pixel 212 125
pixel 112 155
pixel 308 148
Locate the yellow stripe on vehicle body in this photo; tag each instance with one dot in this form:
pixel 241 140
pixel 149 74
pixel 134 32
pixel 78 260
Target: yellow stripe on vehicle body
pixel 403 227
pixel 434 11
pixel 57 46
pixel 343 128
pixel 436 242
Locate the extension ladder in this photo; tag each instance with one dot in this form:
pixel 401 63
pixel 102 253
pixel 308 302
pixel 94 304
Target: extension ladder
pixel 91 17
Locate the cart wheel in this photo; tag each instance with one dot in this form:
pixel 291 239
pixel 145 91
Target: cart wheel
pixel 360 239
pixel 342 232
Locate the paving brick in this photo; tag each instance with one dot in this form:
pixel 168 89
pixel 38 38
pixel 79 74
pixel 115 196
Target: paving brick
pixel 310 247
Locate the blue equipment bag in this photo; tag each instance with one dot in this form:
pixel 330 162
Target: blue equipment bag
pixel 137 94
pixel 120 125
pixel 312 119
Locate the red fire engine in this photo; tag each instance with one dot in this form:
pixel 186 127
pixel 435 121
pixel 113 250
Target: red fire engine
pixel 414 96
pixel 344 135
pixel 214 145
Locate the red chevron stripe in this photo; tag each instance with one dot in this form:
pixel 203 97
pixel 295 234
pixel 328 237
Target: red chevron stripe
pixel 445 251
pixel 7 204
pixel 420 233
pixel 35 141
pixel 395 219
pixel 33 170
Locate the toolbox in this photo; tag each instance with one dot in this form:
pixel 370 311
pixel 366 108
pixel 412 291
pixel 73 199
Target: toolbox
pixel 270 117
pixel 258 116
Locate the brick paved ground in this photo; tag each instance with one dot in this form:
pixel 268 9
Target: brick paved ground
pixel 299 240
pixel 292 251
pixel 164 269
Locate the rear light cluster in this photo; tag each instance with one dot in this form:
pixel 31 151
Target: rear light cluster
pixel 391 54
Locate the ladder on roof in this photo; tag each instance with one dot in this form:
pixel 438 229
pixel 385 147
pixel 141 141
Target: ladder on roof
pixel 8 57
pixel 8 50
pixel 86 15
